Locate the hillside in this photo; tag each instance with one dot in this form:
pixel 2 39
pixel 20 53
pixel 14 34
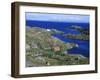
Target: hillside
pixel 43 49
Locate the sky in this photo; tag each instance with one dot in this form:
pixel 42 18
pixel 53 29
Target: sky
pixel 57 17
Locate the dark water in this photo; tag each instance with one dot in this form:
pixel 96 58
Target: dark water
pixel 83 45
pixel 55 25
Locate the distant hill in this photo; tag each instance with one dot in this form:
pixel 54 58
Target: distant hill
pixel 84 33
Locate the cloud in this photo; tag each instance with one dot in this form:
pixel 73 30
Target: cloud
pixel 57 17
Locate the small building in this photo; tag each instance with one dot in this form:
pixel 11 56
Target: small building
pixel 56 48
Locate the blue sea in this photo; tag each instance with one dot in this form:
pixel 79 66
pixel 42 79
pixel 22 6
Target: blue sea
pixel 83 45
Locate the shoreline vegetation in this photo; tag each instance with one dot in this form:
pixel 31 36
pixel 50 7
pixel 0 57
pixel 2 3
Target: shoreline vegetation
pixel 43 49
